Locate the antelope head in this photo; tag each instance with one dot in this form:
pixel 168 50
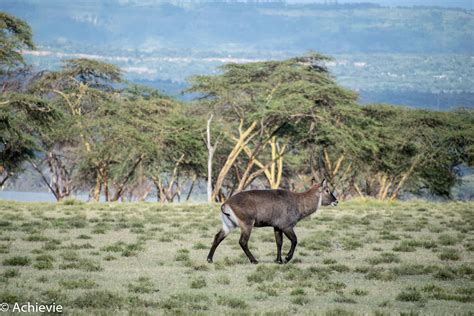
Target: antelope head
pixel 327 196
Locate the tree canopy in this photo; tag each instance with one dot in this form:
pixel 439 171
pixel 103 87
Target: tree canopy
pixel 269 124
pixel 15 35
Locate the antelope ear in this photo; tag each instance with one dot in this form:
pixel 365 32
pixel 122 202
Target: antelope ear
pixel 324 184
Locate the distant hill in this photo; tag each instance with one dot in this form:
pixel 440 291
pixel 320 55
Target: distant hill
pixel 464 4
pixel 251 26
pixel 419 56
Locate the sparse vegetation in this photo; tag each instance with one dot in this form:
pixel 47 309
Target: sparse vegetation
pixel 449 254
pixel 17 261
pixel 198 283
pixel 87 271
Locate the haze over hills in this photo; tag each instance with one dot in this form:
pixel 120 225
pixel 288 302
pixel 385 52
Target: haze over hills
pixel 420 56
pixel 465 4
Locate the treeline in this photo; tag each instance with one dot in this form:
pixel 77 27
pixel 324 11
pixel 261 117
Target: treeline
pixel 426 100
pixel 272 124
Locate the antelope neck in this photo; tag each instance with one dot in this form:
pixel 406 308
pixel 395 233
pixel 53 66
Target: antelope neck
pixel 310 201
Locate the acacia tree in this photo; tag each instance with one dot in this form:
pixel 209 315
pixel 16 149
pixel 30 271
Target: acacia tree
pixel 22 116
pixel 293 110
pixel 15 35
pixel 21 119
pixel 336 147
pixel 381 151
pixel 260 105
pixel 177 155
pixel 79 90
pixel 418 149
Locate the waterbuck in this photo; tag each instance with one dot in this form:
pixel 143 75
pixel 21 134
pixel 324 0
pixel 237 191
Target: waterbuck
pixel 280 209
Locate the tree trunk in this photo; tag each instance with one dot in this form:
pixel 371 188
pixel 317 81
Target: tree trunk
pixel 273 170
pixel 210 150
pixel 327 161
pixel 356 187
pixel 192 187
pixel 160 191
pixel 338 165
pixel 146 193
pixel 277 162
pixel 121 187
pixel 382 181
pixel 243 140
pixel 174 180
pixel 45 180
pixel 2 182
pixel 98 185
pixel 106 187
pixel 59 182
pixel 404 178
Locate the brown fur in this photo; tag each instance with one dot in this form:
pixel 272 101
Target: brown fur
pixel 280 209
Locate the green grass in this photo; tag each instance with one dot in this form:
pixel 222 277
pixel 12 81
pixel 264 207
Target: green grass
pixel 410 295
pixel 360 258
pixel 78 283
pixel 198 283
pixel 450 254
pixel 17 261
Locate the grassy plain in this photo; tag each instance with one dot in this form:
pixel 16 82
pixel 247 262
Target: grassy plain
pixel 358 258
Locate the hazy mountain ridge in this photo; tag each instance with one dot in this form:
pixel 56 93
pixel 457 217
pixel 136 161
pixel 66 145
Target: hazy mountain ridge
pixel 380 51
pixel 263 26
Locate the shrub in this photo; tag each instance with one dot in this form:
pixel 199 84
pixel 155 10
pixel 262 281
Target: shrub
pixel 10 297
pixel 329 261
pixel 83 264
pixel 184 300
pixel 351 244
pixel 268 289
pixel 386 257
pixel 17 261
pixel 72 201
pixel 300 300
pixel 339 268
pixel 261 274
pixel 297 291
pixel 198 283
pixel 360 292
pixel 81 283
pixel 99 299
pixel 223 279
pixel 449 254
pixel 200 245
pixel 70 255
pixel 142 285
pixel 447 240
pixel 381 274
pixel 11 273
pixel 411 269
pixel 232 302
pixel 182 255
pixel 338 312
pixel 409 295
pixel 445 273
pixel 405 246
pixel 344 299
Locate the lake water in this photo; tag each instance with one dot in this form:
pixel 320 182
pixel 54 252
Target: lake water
pixel 34 196
pixel 49 197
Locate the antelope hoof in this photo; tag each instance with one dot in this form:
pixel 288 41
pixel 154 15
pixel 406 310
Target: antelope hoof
pixel 209 260
pixel 287 260
pixel 254 261
pixel 279 261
